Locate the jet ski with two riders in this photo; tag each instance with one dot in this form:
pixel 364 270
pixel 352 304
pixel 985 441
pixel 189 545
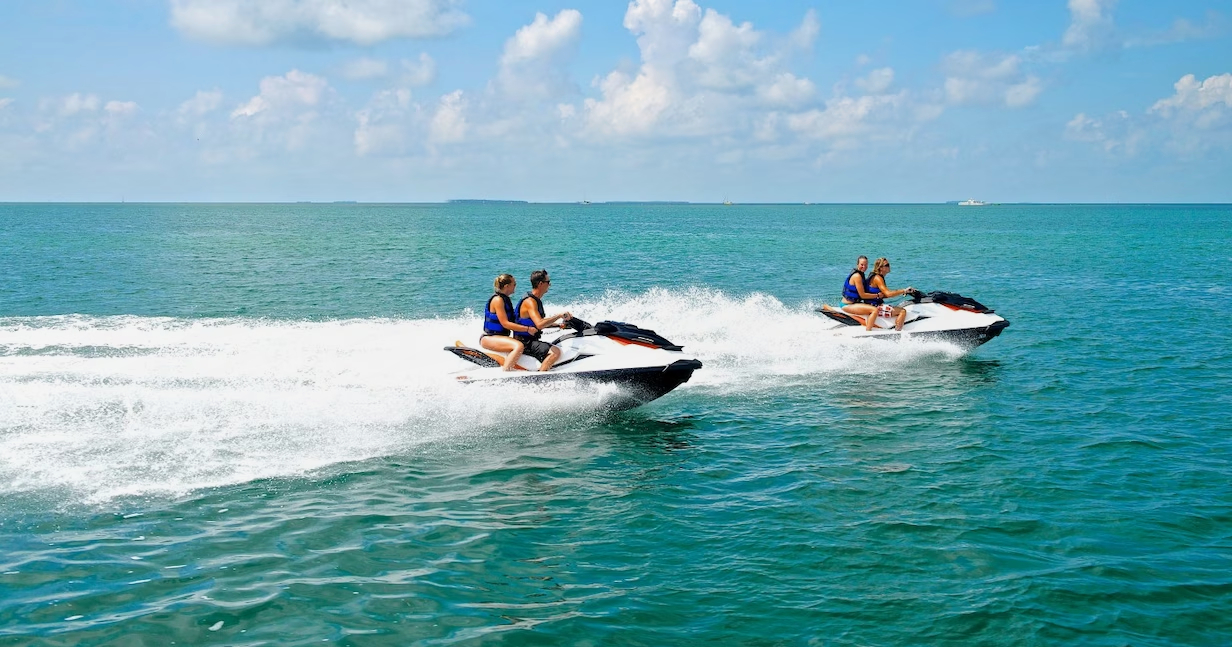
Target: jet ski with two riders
pixel 944 316
pixel 643 364
pixel 937 315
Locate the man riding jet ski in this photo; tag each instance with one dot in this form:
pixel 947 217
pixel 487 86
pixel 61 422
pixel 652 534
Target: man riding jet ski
pixel 937 315
pixel 645 365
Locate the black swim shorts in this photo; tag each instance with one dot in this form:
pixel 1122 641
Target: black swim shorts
pixel 537 349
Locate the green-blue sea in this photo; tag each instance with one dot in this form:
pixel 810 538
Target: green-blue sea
pixel 234 424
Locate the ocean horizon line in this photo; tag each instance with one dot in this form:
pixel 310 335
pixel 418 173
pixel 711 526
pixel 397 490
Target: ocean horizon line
pixel 484 201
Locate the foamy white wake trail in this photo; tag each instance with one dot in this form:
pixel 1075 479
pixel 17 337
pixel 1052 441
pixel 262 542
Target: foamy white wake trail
pixel 108 406
pixel 755 341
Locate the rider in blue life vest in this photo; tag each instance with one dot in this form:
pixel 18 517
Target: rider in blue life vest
pixel 855 292
pixel 880 291
pixel 499 325
pixel 853 287
pixel 530 313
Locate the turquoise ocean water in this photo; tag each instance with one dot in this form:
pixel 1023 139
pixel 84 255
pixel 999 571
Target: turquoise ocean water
pixel 230 424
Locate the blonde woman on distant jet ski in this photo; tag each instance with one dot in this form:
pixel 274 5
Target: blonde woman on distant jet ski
pixel 880 291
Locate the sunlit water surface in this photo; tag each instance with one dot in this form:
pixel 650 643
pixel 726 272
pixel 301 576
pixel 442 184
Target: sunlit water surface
pixel 234 424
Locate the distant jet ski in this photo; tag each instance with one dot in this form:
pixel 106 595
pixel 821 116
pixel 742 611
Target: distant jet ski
pixel 937 315
pixel 645 365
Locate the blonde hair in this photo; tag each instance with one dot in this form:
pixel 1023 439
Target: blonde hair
pixel 880 263
pixel 501 281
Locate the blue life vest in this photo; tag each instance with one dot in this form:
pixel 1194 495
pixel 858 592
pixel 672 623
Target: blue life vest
pixel 873 290
pixel 491 323
pixel 849 291
pixel 527 321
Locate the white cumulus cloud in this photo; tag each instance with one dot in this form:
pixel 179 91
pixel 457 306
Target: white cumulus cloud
pixel 806 34
pixel 701 74
pixel 787 90
pixel 665 29
pixel 285 116
pixel 532 64
pixel 294 90
pixel 419 72
pixel 634 104
pixel 204 102
pixel 1023 94
pixel 76 123
pixel 120 108
pixel 977 77
pixel 543 37
pixel 1090 23
pixel 364 22
pixel 1192 96
pixel 1198 116
pixel 877 81
pixel 630 105
pixel 726 54
pixel 386 125
pixel 846 117
pixel 77 103
pixel 1114 133
pixel 449 124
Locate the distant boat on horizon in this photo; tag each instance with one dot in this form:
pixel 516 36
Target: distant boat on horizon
pixel 972 203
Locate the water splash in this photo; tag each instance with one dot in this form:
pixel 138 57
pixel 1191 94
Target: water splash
pixel 748 342
pixel 113 406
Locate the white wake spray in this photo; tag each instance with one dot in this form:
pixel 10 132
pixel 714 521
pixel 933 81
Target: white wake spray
pixel 102 407
pixel 752 342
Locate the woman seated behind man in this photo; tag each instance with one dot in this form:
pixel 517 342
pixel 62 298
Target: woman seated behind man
pixel 856 297
pixel 880 291
pixel 500 322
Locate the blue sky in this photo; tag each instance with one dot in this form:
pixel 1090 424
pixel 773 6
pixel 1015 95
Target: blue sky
pixel 790 101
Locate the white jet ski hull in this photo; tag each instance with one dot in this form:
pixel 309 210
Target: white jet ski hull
pixel 940 316
pixel 644 365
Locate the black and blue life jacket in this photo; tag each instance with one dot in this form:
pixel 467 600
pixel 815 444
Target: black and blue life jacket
pixel 491 323
pixel 869 288
pixel 527 321
pixel 849 291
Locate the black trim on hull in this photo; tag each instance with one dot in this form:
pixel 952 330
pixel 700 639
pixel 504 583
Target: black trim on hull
pixel 841 317
pixel 970 337
pixel 638 385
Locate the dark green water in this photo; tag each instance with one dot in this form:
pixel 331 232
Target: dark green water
pixel 229 424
